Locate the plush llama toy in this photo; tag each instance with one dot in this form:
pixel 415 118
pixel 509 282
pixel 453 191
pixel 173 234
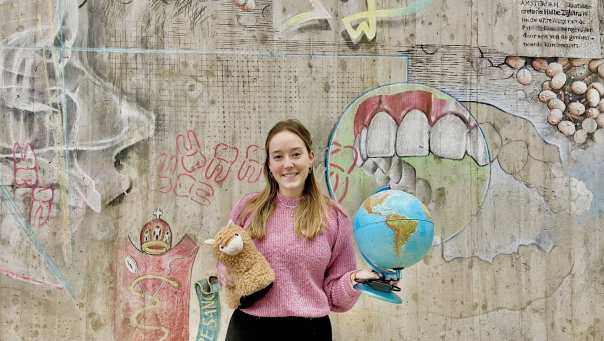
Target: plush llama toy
pixel 249 272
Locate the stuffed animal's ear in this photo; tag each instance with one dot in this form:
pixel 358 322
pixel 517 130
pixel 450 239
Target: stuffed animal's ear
pixel 209 241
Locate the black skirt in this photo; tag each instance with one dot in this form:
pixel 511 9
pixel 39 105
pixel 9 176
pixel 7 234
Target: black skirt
pixel 246 327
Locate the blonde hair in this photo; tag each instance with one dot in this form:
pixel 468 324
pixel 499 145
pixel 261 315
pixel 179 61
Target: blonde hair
pixel 310 215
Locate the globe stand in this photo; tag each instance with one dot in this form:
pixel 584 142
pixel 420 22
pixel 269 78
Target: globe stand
pixel 382 220
pixel 380 288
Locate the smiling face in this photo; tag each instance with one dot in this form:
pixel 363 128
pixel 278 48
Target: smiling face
pixel 289 162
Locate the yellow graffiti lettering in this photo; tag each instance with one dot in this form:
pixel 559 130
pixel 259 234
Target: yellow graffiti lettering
pixel 367 27
pixel 319 12
pixel 369 18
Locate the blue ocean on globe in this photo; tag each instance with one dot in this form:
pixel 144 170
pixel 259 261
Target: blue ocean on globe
pixel 393 230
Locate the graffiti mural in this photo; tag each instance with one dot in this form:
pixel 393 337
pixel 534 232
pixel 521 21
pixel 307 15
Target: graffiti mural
pixel 489 111
pixel 50 100
pixel 407 136
pixel 400 135
pixel 571 92
pixel 191 174
pixel 153 285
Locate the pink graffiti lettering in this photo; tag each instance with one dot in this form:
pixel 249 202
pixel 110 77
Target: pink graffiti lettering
pixel 166 169
pixel 220 166
pixel 25 167
pixel 189 187
pixel 245 5
pixel 26 172
pixel 41 205
pixel 188 173
pixel 251 168
pixel 190 152
pixel 339 176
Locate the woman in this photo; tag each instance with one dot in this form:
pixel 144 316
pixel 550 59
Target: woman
pixel 305 237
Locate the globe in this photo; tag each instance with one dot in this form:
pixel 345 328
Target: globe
pixel 393 230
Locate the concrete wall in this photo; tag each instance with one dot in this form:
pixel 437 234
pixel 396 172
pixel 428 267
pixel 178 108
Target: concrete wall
pixel 112 109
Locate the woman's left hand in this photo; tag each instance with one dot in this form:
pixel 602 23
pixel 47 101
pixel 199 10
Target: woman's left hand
pixel 360 276
pixel 363 276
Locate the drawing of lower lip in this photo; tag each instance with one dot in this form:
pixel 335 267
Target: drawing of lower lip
pixel 155 247
pixel 420 140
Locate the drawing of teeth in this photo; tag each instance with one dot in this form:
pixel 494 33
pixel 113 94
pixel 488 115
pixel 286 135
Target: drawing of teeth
pixel 391 128
pixel 418 139
pixel 413 134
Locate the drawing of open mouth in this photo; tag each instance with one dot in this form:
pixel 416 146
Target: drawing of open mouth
pixel 155 247
pixel 420 140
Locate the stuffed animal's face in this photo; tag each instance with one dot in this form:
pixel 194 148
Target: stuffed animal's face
pixel 229 241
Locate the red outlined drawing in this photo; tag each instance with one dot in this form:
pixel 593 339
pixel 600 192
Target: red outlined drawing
pixel 41 205
pixel 187 173
pixel 152 292
pixel 190 152
pixel 251 168
pixel 340 175
pixel 25 167
pixel 198 191
pixel 166 168
pixel 220 166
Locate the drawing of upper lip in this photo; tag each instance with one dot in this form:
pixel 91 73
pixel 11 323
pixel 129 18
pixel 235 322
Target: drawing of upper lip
pixel 415 123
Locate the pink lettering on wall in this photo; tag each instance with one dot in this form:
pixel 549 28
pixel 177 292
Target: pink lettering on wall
pixel 190 152
pixel 166 168
pixel 190 174
pixel 26 175
pixel 220 166
pixel 41 205
pixel 251 167
pixel 187 186
pixel 339 175
pixel 25 167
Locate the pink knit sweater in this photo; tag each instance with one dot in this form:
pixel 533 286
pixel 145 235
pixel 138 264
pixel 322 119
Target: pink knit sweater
pixel 312 278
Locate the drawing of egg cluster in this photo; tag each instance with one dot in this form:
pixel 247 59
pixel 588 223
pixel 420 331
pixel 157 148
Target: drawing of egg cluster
pixel 573 93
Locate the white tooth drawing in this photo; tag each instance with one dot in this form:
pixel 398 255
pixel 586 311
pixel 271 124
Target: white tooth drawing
pixel 412 136
pixel 395 172
pixel 448 137
pixel 363 144
pixel 369 167
pixel 477 147
pixel 459 110
pixel 407 179
pixel 384 163
pixel 381 136
pixel 380 177
pixel 423 191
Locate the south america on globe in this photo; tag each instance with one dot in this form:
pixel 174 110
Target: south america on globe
pixel 393 230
